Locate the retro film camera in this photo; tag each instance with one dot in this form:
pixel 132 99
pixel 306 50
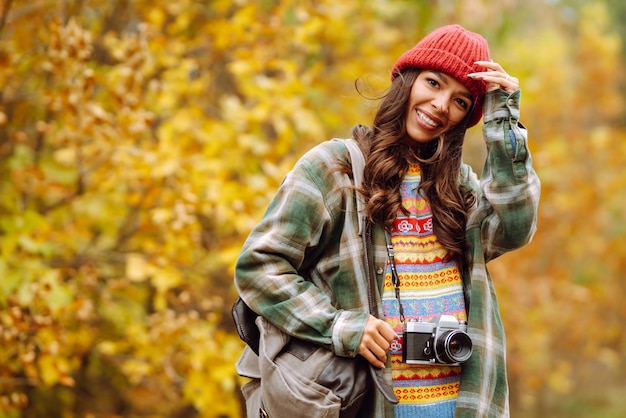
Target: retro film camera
pixel 443 340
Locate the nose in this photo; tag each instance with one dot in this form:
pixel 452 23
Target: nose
pixel 440 103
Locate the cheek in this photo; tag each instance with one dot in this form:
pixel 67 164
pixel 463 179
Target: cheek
pixel 457 115
pixel 416 92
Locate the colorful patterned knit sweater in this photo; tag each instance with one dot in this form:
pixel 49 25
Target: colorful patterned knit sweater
pixel 430 285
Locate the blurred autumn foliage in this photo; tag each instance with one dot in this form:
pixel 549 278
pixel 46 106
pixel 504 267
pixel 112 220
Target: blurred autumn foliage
pixel 141 140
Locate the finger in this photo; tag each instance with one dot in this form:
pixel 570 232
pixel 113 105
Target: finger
pixel 511 84
pixel 386 331
pixel 497 79
pixel 372 359
pixel 378 326
pixel 496 75
pixel 375 342
pixel 379 351
pixel 368 352
pixel 383 337
pixel 490 65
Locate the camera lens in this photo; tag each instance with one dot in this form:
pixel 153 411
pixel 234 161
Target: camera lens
pixel 454 347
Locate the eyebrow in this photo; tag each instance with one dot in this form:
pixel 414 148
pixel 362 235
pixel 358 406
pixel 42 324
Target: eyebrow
pixel 444 77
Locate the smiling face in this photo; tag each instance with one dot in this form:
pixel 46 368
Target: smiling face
pixel 438 102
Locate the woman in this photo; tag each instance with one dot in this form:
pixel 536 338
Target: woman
pixel 303 265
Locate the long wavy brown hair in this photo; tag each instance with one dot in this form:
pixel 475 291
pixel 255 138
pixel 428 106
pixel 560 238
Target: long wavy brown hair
pixel 387 159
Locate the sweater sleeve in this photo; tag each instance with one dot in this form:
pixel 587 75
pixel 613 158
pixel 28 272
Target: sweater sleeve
pixel 270 275
pixel 507 209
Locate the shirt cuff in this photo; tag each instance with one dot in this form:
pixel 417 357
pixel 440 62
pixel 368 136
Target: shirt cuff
pixel 501 105
pixel 347 332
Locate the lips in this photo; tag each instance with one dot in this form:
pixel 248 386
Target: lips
pixel 428 120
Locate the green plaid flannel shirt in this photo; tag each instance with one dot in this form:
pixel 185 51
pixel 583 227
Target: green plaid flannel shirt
pixel 303 268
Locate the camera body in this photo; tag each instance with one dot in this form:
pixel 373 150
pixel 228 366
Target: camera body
pixel 443 340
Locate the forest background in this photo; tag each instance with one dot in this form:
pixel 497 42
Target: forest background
pixel 141 140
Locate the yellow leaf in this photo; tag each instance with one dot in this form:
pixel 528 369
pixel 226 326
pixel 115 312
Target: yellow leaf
pixel 137 268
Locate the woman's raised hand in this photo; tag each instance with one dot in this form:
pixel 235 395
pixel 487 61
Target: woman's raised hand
pixel 496 77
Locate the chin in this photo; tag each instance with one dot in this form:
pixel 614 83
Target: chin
pixel 420 139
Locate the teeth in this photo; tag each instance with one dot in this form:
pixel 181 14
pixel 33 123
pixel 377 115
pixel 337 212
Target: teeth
pixel 426 119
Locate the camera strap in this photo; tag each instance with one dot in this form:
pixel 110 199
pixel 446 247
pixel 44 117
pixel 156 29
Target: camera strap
pixel 395 280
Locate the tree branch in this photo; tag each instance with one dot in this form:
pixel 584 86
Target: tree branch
pixel 5 14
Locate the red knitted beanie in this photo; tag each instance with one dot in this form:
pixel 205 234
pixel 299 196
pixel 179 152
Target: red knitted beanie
pixel 452 50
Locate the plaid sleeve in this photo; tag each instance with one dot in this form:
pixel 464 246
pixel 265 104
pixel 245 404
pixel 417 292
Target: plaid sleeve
pixel 289 241
pixel 510 187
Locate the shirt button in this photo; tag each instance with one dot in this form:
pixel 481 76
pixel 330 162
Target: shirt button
pixel 379 271
pixel 510 102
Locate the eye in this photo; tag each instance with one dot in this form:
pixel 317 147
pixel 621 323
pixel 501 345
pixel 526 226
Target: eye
pixel 463 103
pixel 432 82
